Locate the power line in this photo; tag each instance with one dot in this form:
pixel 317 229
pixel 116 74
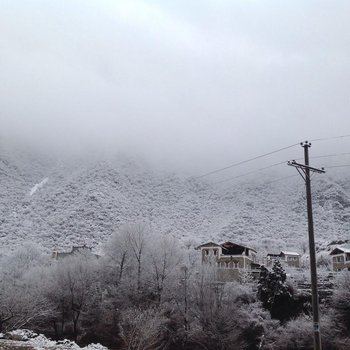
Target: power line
pixel 330 138
pixel 280 179
pixel 250 172
pixel 331 155
pixel 273 152
pixel 265 183
pixel 279 163
pixel 246 161
pixel 338 166
pixel 277 180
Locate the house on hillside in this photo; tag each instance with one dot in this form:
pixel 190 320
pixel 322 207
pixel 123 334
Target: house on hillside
pixel 83 249
pixel 291 259
pixel 231 260
pixel 340 258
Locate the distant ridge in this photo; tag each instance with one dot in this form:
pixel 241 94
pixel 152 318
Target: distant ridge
pixel 85 200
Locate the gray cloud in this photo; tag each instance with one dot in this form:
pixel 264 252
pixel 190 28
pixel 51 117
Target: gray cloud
pixel 192 85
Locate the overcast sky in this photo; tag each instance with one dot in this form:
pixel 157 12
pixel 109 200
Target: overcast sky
pixel 198 83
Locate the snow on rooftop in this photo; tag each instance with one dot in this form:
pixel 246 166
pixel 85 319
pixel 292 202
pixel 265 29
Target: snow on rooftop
pixel 290 253
pixel 343 249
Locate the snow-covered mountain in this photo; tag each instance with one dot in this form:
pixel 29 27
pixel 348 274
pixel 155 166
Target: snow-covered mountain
pixel 58 203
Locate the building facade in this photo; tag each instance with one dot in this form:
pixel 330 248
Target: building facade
pixel 83 249
pixel 231 260
pixel 291 259
pixel 340 258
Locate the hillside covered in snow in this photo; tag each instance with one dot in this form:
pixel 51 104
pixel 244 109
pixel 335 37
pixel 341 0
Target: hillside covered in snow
pixel 61 202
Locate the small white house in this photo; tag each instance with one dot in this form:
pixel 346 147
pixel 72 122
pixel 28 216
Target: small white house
pixel 291 259
pixel 341 258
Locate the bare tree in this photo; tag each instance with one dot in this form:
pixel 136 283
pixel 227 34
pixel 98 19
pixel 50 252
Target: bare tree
pixel 136 240
pixel 71 289
pixel 144 329
pixel 341 303
pixel 21 260
pixel 117 254
pixel 20 302
pixel 164 260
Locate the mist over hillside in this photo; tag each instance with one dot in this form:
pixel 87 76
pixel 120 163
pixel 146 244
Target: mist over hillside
pixel 83 200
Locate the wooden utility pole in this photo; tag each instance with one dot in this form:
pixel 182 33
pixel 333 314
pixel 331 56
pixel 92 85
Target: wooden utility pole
pixel 304 170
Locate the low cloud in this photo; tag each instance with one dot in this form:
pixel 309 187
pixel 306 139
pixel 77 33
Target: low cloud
pixel 192 86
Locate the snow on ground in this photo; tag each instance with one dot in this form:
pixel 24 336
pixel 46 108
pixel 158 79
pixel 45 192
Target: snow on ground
pixel 26 339
pixel 37 186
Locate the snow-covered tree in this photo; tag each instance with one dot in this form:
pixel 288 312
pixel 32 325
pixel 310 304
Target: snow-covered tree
pixel 162 264
pixel 117 255
pixel 71 289
pixel 20 301
pixel 341 303
pixel 144 329
pixel 273 291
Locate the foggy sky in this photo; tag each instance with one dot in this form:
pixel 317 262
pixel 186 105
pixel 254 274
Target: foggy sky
pixel 195 84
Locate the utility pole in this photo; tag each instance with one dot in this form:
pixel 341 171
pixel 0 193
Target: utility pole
pixel 304 170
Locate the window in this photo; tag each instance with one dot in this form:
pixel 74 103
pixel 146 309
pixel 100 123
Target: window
pixel 206 252
pixel 215 252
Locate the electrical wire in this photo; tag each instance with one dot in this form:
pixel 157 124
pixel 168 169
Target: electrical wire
pixel 279 163
pixel 338 166
pixel 250 172
pixel 331 155
pixel 276 180
pixel 280 179
pixel 269 153
pixel 330 138
pixel 246 161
